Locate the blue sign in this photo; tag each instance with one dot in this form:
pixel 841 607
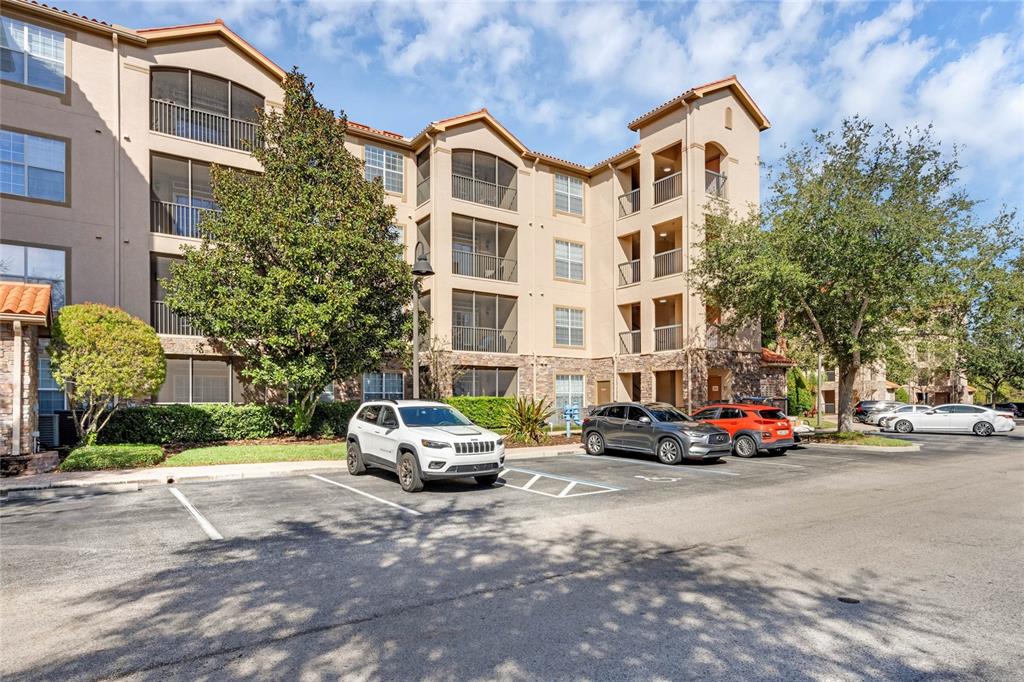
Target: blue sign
pixel 571 415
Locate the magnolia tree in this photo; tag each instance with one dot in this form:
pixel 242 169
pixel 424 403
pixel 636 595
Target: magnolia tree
pixel 103 357
pixel 298 273
pixel 850 244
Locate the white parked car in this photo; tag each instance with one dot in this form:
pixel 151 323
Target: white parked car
pixel 981 421
pixel 421 441
pixel 882 417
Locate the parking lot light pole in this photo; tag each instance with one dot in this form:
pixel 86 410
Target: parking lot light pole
pixel 420 269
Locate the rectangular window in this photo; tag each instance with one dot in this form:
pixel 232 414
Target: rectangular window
pixel 35 265
pixel 568 391
pixel 197 380
pixel 386 165
pixel 568 194
pixel 383 386
pixel 32 55
pixel 569 327
pixel 568 260
pixel 397 234
pixel 485 381
pixel 51 394
pixel 32 166
pixel 327 395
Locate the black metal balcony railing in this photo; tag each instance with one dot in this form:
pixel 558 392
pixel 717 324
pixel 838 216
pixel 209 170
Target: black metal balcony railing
pixel 181 220
pixel 486 266
pixel 629 203
pixel 668 263
pixel 714 183
pixel 629 342
pixel 484 340
pixel 669 187
pixel 202 126
pixel 629 272
pixel 483 192
pixel 166 322
pixel 422 191
pixel 669 337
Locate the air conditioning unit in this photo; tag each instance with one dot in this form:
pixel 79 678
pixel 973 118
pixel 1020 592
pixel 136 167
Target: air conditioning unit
pixel 49 434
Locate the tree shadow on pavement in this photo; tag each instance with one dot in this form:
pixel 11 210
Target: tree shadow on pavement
pixel 462 595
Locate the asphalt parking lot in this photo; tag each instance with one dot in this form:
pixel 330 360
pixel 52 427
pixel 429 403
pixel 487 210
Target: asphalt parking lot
pixel 574 567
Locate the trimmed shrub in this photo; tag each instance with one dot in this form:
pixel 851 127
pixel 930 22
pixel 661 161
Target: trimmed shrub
pixel 331 419
pixel 902 395
pixel 92 457
pixel 800 399
pixel 486 411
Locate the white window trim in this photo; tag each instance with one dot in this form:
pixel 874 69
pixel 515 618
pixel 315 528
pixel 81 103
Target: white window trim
pixel 571 182
pixel 570 327
pixel 383 385
pixel 581 395
pixel 569 260
pixel 386 172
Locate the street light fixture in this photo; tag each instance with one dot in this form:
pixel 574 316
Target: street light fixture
pixel 420 269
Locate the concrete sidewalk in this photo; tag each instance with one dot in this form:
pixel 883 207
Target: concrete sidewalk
pixel 126 478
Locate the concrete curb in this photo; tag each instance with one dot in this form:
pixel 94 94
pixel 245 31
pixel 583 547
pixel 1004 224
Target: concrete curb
pixel 535 453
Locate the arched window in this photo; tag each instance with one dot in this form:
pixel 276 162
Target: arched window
pixel 484 179
pixel 728 118
pixel 202 107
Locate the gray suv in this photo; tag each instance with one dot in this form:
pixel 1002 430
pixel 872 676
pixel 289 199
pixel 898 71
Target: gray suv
pixel 653 428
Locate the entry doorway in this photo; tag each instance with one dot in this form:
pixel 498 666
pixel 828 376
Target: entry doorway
pixel 714 388
pixel 604 392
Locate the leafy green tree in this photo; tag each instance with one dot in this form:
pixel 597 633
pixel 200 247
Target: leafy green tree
pixel 848 243
pixel 994 348
pixel 902 395
pixel 298 273
pixel 103 357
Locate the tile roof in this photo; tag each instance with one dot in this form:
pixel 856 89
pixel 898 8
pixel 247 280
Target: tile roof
pixel 17 298
pixel 378 131
pixel 770 357
pixel 680 97
pixel 98 22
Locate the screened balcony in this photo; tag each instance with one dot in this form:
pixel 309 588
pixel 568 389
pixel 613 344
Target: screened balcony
pixel 714 175
pixel 668 248
pixel 204 108
pixel 484 179
pixel 484 323
pixel 181 194
pixel 629 269
pixel 485 249
pixel 668 174
pixel 629 340
pixel 668 327
pixel 161 318
pixel 423 176
pixel 629 201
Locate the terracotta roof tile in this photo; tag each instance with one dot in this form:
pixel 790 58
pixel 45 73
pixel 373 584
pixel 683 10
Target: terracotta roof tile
pixel 70 14
pixel 378 131
pixel 24 299
pixel 770 357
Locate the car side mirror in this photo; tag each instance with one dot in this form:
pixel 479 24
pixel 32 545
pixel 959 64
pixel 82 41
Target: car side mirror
pixel 644 420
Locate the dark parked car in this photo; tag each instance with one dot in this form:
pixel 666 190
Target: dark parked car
pixel 653 428
pixel 865 407
pixel 1013 408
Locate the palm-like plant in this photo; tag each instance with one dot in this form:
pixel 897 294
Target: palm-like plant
pixel 526 419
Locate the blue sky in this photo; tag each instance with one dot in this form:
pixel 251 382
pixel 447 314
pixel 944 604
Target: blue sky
pixel 566 77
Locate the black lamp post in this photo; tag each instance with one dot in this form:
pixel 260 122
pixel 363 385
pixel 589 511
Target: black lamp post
pixel 421 268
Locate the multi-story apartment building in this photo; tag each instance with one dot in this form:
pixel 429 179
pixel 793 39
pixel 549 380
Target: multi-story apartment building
pixel 552 278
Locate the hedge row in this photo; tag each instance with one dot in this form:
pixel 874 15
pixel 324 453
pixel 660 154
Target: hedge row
pixel 485 411
pixel 94 457
pixel 164 424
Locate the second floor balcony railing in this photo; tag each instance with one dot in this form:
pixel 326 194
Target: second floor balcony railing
pixel 629 272
pixel 714 183
pixel 422 191
pixel 668 263
pixel 484 339
pixel 202 126
pixel 483 192
pixel 669 187
pixel 629 203
pixel 181 220
pixel 483 265
pixel 166 322
pixel 629 342
pixel 668 337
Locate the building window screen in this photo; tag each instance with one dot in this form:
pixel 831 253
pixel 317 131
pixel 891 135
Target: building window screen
pixel 32 55
pixel 34 265
pixel 485 381
pixel 568 194
pixel 385 164
pixel 569 260
pixel 32 166
pixel 383 386
pixel 568 327
pixel 568 391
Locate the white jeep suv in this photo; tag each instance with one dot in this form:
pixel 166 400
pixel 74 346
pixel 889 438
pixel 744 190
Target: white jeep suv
pixel 421 441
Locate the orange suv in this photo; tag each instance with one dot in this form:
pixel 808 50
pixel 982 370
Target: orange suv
pixel 754 428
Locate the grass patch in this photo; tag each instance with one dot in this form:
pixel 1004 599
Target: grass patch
pixel 825 423
pixel 254 454
pixel 858 438
pixel 129 456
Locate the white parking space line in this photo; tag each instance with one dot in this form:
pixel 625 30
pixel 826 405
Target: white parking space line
pixel 768 461
pixel 838 459
pixel 571 484
pixel 372 497
pixel 674 467
pixel 530 483
pixel 560 477
pixel 207 527
pixel 566 489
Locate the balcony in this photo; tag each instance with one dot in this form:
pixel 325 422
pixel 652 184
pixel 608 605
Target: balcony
pixel 629 272
pixel 166 322
pixel 629 203
pixel 483 192
pixel 714 183
pixel 668 187
pixel 202 126
pixel 668 263
pixel 484 340
pixel 669 337
pixel 422 191
pixel 629 342
pixel 180 220
pixel 483 265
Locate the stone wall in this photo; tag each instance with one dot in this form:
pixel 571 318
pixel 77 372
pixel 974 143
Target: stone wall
pixel 30 383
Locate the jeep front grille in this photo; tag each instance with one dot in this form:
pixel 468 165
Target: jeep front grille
pixel 475 447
